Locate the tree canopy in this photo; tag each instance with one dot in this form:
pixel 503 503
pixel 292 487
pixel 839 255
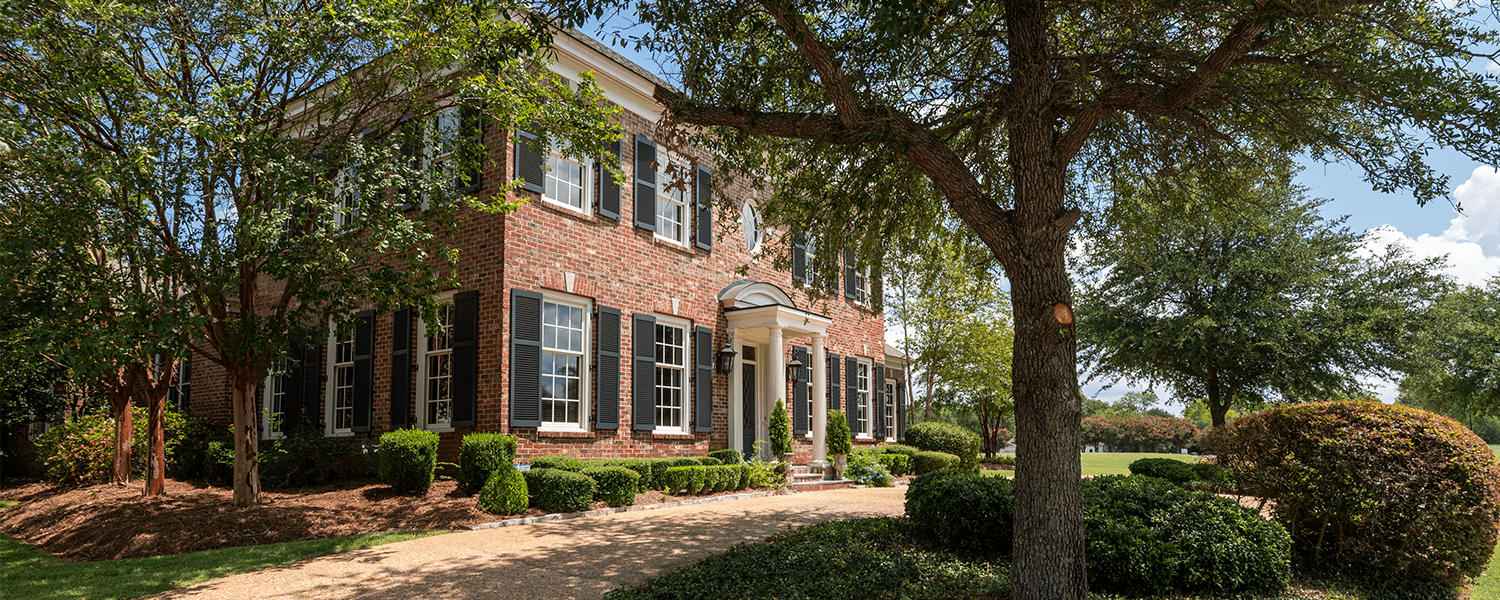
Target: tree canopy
pixel 1458 350
pixel 890 116
pixel 269 166
pixel 1230 285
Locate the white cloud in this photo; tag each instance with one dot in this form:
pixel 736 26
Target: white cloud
pixel 1472 239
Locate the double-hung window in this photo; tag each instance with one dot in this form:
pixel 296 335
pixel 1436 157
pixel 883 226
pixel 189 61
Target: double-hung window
pixel 348 194
pixel 444 136
pixel 862 284
pixel 671 375
pixel 435 371
pixel 565 367
pixel 566 183
pixel 340 394
pixel 864 412
pixel 673 217
pixel 889 397
pixel 278 380
pixel 180 392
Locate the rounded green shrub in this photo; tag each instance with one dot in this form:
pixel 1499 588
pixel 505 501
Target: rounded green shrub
pixel 1170 469
pixel 408 460
pixel 744 476
pixel 684 461
pixel 677 479
pixel 557 490
pixel 659 468
pixel 728 456
pixel 720 478
pixel 837 432
pixel 897 464
pixel 697 476
pixel 967 512
pixel 933 436
pixel 616 486
pixel 899 449
pixel 505 492
pixel 1147 536
pixel 709 461
pixel 927 462
pixel 479 456
pixel 559 462
pixel 1370 489
pixel 642 468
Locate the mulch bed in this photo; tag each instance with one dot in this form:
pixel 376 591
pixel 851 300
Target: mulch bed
pixel 108 522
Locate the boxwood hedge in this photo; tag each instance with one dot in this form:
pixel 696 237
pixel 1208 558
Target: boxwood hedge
pixel 408 460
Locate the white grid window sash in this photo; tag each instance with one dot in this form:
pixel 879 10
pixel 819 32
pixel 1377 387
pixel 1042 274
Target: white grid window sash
pixel 439 370
pixel 670 367
pixel 562 363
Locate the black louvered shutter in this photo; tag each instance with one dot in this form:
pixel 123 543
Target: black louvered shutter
pixel 401 368
pixel 799 261
pixel 877 389
pixel 291 397
pixel 643 373
pixel 705 236
pixel 609 189
pixel 645 184
pixel 833 382
pixel 799 391
pixel 851 268
pixel 851 389
pixel 607 370
pixel 465 357
pixel 528 163
pixel 472 149
pixel 703 380
pixel 525 358
pixel 901 406
pixel 312 385
pixel 364 349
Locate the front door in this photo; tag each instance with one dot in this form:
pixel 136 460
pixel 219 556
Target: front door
pixel 747 399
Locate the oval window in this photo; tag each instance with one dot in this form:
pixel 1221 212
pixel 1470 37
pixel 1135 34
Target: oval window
pixel 750 222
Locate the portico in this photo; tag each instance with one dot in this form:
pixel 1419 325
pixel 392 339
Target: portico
pixel 762 319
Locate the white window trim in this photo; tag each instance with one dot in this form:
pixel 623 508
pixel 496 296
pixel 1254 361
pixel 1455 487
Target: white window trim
pixel 687 375
pixel 664 188
pixel 421 354
pixel 586 367
pixel 890 406
pixel 868 432
pixel 748 210
pixel 268 389
pixel 863 289
pixel 589 173
pixel 331 384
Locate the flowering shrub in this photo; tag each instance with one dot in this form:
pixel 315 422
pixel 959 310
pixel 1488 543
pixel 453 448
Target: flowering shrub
pixel 1372 490
pixel 866 468
pixel 1127 433
pixel 82 450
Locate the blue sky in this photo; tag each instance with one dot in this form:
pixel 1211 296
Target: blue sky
pixel 1471 240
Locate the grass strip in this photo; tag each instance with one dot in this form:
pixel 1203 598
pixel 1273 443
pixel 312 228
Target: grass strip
pixel 26 572
pixel 1111 463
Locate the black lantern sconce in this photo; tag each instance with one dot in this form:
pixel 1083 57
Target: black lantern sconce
pixel 725 358
pixel 793 369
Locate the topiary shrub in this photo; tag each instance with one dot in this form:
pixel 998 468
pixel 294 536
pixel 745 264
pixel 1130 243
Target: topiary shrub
pixel 927 462
pixel 697 477
pixel 946 437
pixel 1170 469
pixel 683 461
pixel 481 454
pixel 616 486
pixel 505 492
pixel 728 456
pixel 899 449
pixel 641 466
pixel 1147 536
pixel 1372 490
pixel 967 512
pixel 559 462
pixel 708 461
pixel 557 490
pixel 744 476
pixel 780 431
pixel 408 460
pixel 837 432
pixel 724 477
pixel 659 468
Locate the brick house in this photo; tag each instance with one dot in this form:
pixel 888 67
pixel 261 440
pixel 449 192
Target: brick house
pixel 598 320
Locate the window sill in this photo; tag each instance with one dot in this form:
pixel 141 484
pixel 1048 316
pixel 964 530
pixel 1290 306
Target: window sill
pixel 864 436
pixel 661 242
pixel 566 211
pixel 564 433
pixel 672 435
pixel 338 434
pixel 440 429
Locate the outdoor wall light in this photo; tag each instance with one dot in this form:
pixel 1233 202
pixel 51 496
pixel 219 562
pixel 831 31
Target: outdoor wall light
pixel 726 358
pixel 793 369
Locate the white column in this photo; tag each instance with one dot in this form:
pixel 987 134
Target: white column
pixel 819 368
pixel 736 394
pixel 775 363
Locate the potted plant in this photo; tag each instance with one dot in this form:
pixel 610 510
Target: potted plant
pixel 839 443
pixel 781 437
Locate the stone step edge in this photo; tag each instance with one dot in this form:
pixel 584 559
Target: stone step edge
pixel 599 512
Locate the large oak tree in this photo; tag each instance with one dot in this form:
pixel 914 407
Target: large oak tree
pixel 869 117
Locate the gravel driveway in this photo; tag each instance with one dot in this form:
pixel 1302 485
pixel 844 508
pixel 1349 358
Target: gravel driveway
pixel 578 558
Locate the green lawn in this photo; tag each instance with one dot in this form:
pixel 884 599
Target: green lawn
pixel 26 572
pixel 1495 448
pixel 1487 587
pixel 1113 463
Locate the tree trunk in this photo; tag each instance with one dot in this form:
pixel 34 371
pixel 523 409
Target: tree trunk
pixel 119 407
pixel 927 409
pixel 1218 407
pixel 156 452
pixel 246 443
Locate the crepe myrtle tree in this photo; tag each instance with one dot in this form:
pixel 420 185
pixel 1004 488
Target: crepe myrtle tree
pixel 887 115
pixel 279 164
